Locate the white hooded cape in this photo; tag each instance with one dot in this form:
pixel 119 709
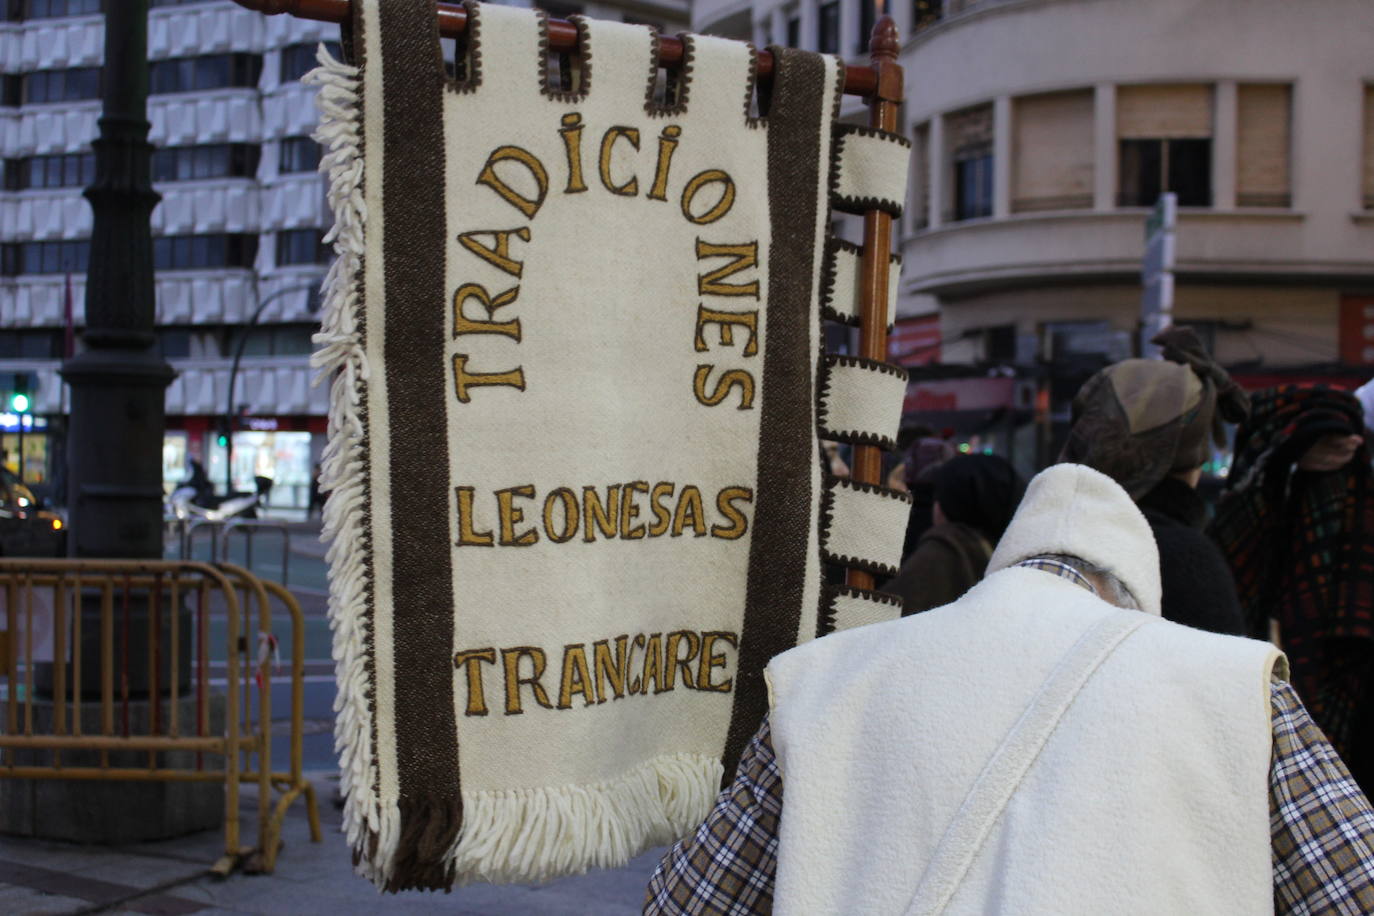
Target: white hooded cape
pixel 1029 748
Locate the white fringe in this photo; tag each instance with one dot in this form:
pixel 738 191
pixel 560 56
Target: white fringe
pixel 520 835
pixel 342 362
pixel 533 835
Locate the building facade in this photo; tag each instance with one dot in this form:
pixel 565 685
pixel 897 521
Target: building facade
pixel 1045 130
pixel 238 248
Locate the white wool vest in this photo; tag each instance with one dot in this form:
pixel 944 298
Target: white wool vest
pixel 1150 794
pixel 913 780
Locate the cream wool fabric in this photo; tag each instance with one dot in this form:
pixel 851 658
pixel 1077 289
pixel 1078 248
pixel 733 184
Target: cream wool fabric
pixel 1149 795
pixel 571 337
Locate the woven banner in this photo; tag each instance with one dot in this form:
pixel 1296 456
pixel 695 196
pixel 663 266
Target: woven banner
pixel 572 335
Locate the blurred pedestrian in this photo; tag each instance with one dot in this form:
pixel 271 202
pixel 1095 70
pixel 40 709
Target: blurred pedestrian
pixel 974 497
pixel 1150 424
pixel 1297 524
pixel 923 459
pixel 1044 745
pixel 316 494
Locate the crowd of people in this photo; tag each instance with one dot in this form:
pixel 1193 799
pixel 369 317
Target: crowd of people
pixel 1106 695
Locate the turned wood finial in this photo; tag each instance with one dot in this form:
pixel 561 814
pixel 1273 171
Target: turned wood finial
pixel 884 41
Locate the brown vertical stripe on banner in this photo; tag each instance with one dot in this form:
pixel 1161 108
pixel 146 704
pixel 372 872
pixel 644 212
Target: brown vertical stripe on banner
pixel 782 513
pixel 422 608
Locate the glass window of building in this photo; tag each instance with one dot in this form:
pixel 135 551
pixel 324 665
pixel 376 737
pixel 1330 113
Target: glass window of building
pixel 209 71
pixel 968 152
pixel 70 85
pixel 217 160
pixel 926 13
pixel 973 182
pixel 1165 144
pixel 299 59
pixel 828 27
pixel 301 246
pixel 55 257
pixel 61 171
pixel 52 9
pixel 920 177
pixel 868 15
pixel 1263 138
pixel 299 154
pixel 193 252
pixel 794 31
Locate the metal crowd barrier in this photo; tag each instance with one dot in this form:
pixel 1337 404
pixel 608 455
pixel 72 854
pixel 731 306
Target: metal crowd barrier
pixel 185 531
pixel 113 592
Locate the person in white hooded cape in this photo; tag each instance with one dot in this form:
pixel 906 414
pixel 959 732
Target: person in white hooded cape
pixel 1034 748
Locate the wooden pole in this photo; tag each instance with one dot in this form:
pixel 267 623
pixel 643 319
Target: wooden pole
pixel 883 45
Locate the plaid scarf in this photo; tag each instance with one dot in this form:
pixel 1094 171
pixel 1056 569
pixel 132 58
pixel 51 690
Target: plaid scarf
pixel 1301 546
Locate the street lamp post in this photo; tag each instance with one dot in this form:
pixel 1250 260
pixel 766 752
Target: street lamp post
pixel 118 385
pixel 114 494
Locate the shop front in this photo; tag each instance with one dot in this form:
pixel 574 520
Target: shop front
pixel 283 450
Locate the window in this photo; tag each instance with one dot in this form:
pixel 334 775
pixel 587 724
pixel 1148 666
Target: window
pixel 299 154
pixel 968 150
pixel 71 170
pixel 69 85
pixel 57 257
pixel 301 246
pixel 43 344
pixel 925 13
pixel 211 71
pixel 1164 135
pixel 1052 151
pixel 1263 131
pixel 52 9
pixel 920 177
pixel 192 252
pixel 794 32
pixel 174 343
pixel 828 27
pixel 299 59
pixel 220 160
pixel 1151 167
pixel 11 89
pixel 973 182
pixel 868 15
pixel 271 340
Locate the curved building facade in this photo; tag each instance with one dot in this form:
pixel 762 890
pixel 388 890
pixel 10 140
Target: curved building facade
pixel 1045 130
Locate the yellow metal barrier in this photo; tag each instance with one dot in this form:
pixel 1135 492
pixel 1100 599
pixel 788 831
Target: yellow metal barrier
pixel 115 586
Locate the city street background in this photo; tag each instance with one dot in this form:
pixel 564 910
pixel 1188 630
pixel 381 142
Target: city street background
pixel 171 876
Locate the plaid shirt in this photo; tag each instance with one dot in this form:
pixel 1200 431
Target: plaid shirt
pixel 1321 828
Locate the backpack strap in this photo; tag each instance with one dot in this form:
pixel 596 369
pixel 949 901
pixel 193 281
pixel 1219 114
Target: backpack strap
pixel 995 785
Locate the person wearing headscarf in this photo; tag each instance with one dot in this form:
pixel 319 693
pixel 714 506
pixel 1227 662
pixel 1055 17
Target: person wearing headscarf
pixel 1296 523
pixel 975 497
pixel 1149 424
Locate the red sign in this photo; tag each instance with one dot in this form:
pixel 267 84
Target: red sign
pixel 939 395
pixel 1357 330
pixel 915 341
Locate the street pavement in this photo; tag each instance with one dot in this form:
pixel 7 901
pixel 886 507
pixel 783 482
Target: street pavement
pixel 171 877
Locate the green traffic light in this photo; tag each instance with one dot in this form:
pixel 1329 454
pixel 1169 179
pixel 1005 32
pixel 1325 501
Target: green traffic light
pixel 223 440
pixel 20 403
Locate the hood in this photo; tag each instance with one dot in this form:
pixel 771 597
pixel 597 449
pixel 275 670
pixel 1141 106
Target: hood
pixel 1072 509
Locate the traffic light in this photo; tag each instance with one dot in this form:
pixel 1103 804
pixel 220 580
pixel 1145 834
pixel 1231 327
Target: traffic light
pixel 222 431
pixel 18 399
